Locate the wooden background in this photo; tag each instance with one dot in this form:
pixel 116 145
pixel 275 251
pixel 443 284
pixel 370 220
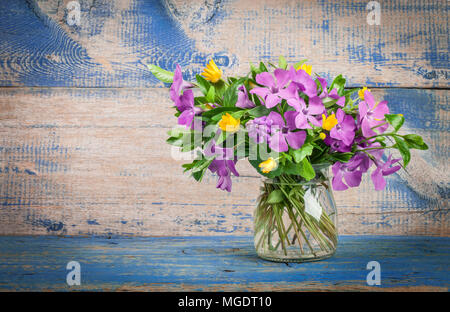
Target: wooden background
pixel 83 123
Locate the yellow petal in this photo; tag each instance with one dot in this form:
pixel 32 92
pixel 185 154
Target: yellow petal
pixel 329 122
pixel 211 72
pixel 268 165
pixel 229 124
pixel 361 93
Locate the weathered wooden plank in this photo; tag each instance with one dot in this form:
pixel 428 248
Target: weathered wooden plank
pixel 218 264
pixel 94 161
pixel 113 40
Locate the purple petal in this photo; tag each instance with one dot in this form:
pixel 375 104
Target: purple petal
pixel 391 170
pixel 278 142
pixel 337 183
pixel 308 83
pixel 367 128
pixel 296 139
pixel 380 110
pixel 341 101
pixel 282 76
pixel 231 166
pixel 265 79
pixel 272 100
pixel 301 121
pixel 377 178
pixel 315 106
pixel 186 118
pixel 290 119
pixel 353 179
pixel 290 92
pixel 362 108
pixel 260 91
pixel 275 119
pixel 297 104
pixel 314 121
pixel 368 98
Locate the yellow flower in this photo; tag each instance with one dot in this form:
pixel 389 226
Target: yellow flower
pixel 212 72
pixel 268 165
pixel 329 122
pixel 322 135
pixel 229 124
pixel 361 92
pixel 307 68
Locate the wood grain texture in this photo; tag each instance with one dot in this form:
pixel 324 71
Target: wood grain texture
pixel 94 161
pixel 218 264
pixel 114 40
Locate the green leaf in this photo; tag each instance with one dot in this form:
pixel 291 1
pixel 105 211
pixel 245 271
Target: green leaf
pixel 415 141
pixel 329 102
pixel 203 84
pixel 259 111
pixel 403 148
pixel 202 164
pixel 230 95
pixel 307 171
pixel 210 95
pixel 339 84
pixel 301 153
pixel 395 120
pixel 162 74
pixel 292 168
pixel 219 110
pixel 282 62
pixel 350 91
pixel 178 132
pixel 262 67
pixel 298 64
pixel 175 141
pixel 275 197
pixel 342 157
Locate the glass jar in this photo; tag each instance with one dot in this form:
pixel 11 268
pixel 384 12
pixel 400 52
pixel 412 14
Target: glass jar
pixel 295 219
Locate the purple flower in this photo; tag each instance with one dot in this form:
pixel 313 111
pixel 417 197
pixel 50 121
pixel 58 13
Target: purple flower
pixel 271 92
pixel 243 101
pixel 223 164
pixel 304 82
pixel 180 91
pixel 283 134
pixel 351 172
pixel 383 170
pixel 305 114
pixel 337 145
pixel 340 99
pixel 258 129
pixel 345 129
pixel 372 114
pixel 333 94
pixel 187 115
pixel 183 98
pixel 224 168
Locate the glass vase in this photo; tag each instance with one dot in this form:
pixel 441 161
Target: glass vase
pixel 295 219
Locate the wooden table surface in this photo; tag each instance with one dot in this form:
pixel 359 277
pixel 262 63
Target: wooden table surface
pixel 227 263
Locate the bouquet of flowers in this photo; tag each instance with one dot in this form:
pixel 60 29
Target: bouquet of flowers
pixel 292 126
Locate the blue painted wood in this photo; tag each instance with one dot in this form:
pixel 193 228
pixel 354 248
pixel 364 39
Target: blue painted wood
pixel 115 38
pixel 217 263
